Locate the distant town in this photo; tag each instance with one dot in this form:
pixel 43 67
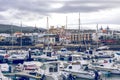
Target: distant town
pixel 59 36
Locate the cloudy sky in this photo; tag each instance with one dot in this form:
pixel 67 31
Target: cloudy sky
pixel 31 12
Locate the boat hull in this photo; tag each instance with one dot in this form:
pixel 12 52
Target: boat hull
pixel 80 75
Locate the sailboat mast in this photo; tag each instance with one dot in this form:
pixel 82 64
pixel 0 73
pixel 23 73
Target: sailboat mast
pixel 12 34
pixel 79 22
pixel 48 24
pixel 97 35
pixel 48 30
pixel 66 22
pixel 21 36
pixel 79 36
pixel 66 31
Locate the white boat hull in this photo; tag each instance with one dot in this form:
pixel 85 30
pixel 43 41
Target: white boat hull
pixel 111 70
pixel 80 75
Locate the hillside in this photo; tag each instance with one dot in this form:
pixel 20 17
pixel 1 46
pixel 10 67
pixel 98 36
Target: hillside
pixel 4 28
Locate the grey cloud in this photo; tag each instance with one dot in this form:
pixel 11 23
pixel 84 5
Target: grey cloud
pixel 2 17
pixel 113 20
pixel 88 5
pixel 43 6
pixel 31 9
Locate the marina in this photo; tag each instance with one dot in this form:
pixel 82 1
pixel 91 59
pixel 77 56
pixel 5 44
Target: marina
pixel 59 40
pixel 65 64
pixel 60 61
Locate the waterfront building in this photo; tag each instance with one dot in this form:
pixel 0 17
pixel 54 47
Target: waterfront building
pixel 63 36
pixel 81 37
pixel 106 36
pixel 50 39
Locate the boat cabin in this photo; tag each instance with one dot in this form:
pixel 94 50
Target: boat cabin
pixel 50 67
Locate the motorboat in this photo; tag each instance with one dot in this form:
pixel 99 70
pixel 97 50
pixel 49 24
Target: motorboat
pixel 107 66
pixel 28 66
pixel 51 70
pixel 79 71
pixel 48 55
pixel 117 57
pixel 5 68
pixel 73 58
pixel 3 55
pixel 18 56
pixel 2 77
pixel 103 54
pixel 64 51
pixel 36 52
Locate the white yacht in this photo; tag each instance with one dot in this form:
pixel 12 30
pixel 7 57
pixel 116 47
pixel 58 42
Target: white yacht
pixel 2 77
pixel 117 57
pixel 104 54
pixel 50 70
pixel 5 68
pixel 18 56
pixel 106 67
pixel 28 66
pixel 48 55
pixel 79 71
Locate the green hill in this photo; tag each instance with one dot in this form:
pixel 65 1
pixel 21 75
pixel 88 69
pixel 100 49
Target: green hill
pixel 4 28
